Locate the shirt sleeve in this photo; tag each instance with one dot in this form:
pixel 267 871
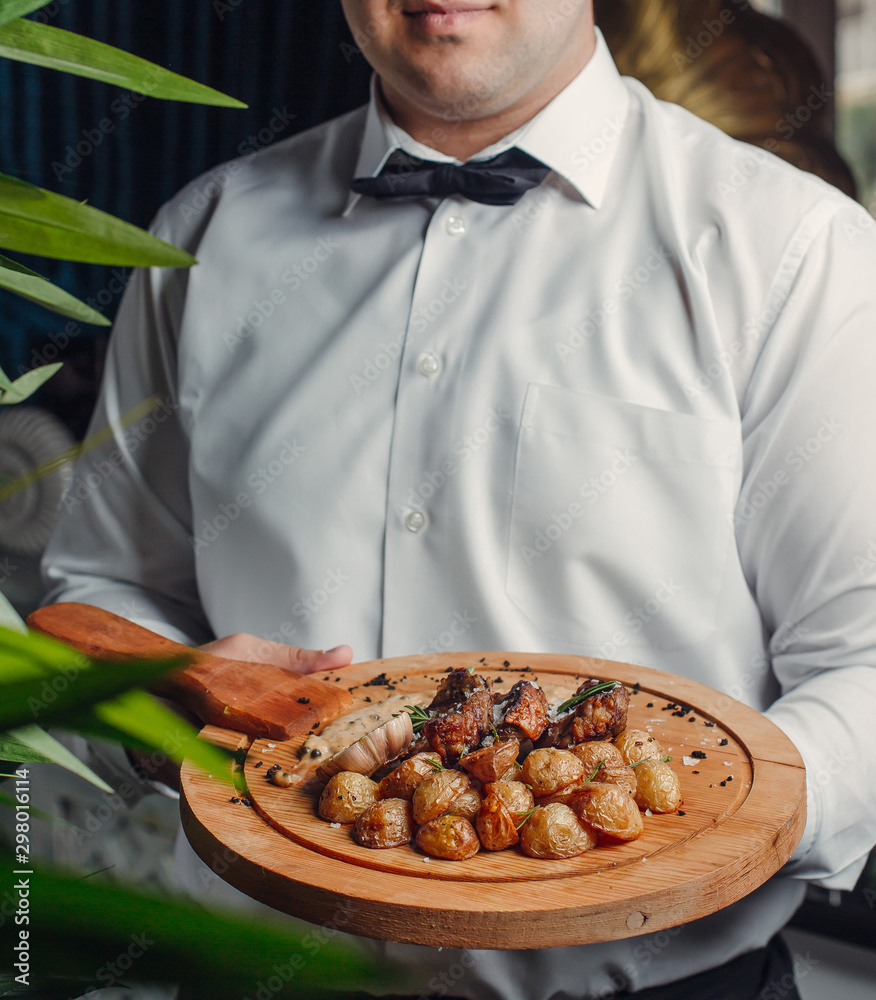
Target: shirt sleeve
pixel 122 540
pixel 806 528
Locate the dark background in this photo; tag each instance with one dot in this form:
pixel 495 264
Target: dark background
pixel 295 56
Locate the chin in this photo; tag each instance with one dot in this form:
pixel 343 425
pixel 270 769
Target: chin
pixel 459 86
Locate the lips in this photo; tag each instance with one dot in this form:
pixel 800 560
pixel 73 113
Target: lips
pixel 443 18
pixel 450 7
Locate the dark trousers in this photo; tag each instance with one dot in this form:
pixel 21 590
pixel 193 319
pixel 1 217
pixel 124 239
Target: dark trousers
pixel 765 974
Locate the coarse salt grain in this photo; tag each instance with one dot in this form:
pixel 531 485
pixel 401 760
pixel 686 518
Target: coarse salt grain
pixel 272 745
pixel 648 812
pixel 425 859
pixel 728 763
pixel 689 761
pixel 335 826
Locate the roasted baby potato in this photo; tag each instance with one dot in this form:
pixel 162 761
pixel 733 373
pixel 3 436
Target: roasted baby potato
pixel 657 786
pixel 400 783
pixel 436 793
pixel 387 823
pixel 554 832
pixel 468 804
pixel 489 763
pixel 495 825
pixel 635 744
pixel 346 796
pixel 566 793
pixel 449 836
pixel 514 773
pixel 606 761
pixel 609 810
pixel 516 796
pixel 547 771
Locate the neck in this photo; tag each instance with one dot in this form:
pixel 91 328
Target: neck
pixel 462 138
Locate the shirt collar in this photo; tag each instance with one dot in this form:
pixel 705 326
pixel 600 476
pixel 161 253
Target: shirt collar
pixel 596 101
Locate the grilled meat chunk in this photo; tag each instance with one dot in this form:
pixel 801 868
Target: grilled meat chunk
pixel 458 731
pixel 600 717
pixel 523 710
pixel 456 687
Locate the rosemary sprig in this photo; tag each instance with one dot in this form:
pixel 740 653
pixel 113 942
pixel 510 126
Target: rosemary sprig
pixel 419 716
pixel 595 771
pixel 436 765
pixel 523 817
pixel 576 699
pixel 665 760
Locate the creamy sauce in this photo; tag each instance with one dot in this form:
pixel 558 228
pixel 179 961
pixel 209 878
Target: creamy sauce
pixel 351 727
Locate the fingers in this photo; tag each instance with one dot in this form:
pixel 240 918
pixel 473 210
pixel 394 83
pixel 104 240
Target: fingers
pixel 251 648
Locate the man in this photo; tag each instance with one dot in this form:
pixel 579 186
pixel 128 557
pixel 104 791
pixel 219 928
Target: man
pixel 627 416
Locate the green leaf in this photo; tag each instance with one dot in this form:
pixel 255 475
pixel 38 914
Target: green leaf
pixel 41 678
pixel 137 716
pixel 35 288
pixel 37 652
pixel 33 220
pixel 50 698
pixel 11 9
pixel 26 385
pixel 43 45
pixel 43 748
pixel 83 925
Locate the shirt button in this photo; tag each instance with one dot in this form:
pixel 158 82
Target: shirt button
pixel 415 520
pixel 455 225
pixel 428 365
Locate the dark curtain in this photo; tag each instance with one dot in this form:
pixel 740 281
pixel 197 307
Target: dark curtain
pixel 292 61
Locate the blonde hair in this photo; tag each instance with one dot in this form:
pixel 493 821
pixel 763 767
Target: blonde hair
pixel 750 75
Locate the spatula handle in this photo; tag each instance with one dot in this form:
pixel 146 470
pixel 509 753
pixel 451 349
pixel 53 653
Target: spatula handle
pixel 259 699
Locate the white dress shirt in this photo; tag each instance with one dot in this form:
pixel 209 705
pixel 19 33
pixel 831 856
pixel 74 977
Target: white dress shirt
pixel 632 417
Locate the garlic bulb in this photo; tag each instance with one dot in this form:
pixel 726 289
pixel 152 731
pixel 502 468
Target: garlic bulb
pixel 372 750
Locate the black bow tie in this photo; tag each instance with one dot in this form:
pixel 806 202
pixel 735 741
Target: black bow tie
pixel 501 180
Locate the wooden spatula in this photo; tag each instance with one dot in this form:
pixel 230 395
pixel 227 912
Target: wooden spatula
pixel 253 698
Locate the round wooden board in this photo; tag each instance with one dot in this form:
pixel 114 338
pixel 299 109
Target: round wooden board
pixel 743 815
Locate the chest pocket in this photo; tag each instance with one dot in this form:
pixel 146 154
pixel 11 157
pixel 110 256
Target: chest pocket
pixel 621 521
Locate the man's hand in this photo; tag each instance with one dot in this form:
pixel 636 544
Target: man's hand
pixel 242 646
